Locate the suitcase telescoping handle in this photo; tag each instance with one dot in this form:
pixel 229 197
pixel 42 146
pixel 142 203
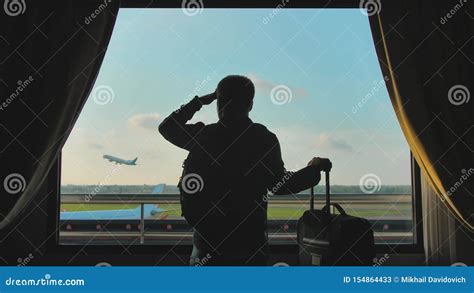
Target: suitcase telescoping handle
pixel 328 201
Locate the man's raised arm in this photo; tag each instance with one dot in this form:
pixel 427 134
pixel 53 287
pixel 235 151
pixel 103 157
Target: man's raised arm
pixel 175 129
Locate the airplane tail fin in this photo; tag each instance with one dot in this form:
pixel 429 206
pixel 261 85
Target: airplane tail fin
pixel 134 160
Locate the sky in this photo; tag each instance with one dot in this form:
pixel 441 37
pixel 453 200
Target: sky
pixel 319 88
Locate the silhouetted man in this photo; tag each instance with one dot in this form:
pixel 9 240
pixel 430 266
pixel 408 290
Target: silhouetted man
pixel 231 166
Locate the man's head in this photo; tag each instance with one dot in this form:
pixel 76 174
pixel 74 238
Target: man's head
pixel 234 96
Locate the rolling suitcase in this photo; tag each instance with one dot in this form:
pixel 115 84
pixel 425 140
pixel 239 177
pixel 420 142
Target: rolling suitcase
pixel 329 239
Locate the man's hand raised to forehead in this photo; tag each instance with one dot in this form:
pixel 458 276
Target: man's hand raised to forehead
pixel 207 99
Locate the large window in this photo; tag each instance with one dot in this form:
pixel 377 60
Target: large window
pixel 319 88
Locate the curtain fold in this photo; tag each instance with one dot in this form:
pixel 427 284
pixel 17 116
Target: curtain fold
pixel 425 49
pixel 439 227
pixel 50 55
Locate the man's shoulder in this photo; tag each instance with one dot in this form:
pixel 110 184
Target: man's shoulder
pixel 263 130
pixel 260 127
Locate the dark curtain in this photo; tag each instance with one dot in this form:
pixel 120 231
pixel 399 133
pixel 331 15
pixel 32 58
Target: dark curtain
pixel 425 49
pixel 50 54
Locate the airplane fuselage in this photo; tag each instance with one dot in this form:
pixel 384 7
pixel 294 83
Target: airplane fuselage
pixel 119 160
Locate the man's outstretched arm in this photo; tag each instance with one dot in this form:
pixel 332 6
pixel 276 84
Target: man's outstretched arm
pixel 295 182
pixel 175 129
pixel 285 182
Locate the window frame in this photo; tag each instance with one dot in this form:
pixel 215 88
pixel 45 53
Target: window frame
pixel 54 178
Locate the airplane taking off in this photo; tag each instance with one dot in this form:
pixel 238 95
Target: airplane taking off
pixel 120 161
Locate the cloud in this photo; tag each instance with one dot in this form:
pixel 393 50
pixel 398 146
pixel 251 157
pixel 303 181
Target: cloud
pixel 329 142
pixel 267 86
pixel 145 121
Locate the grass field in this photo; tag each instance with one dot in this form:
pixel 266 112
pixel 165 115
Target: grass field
pixel 276 211
pixel 78 207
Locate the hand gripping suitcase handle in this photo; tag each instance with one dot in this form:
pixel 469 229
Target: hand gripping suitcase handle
pixel 328 201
